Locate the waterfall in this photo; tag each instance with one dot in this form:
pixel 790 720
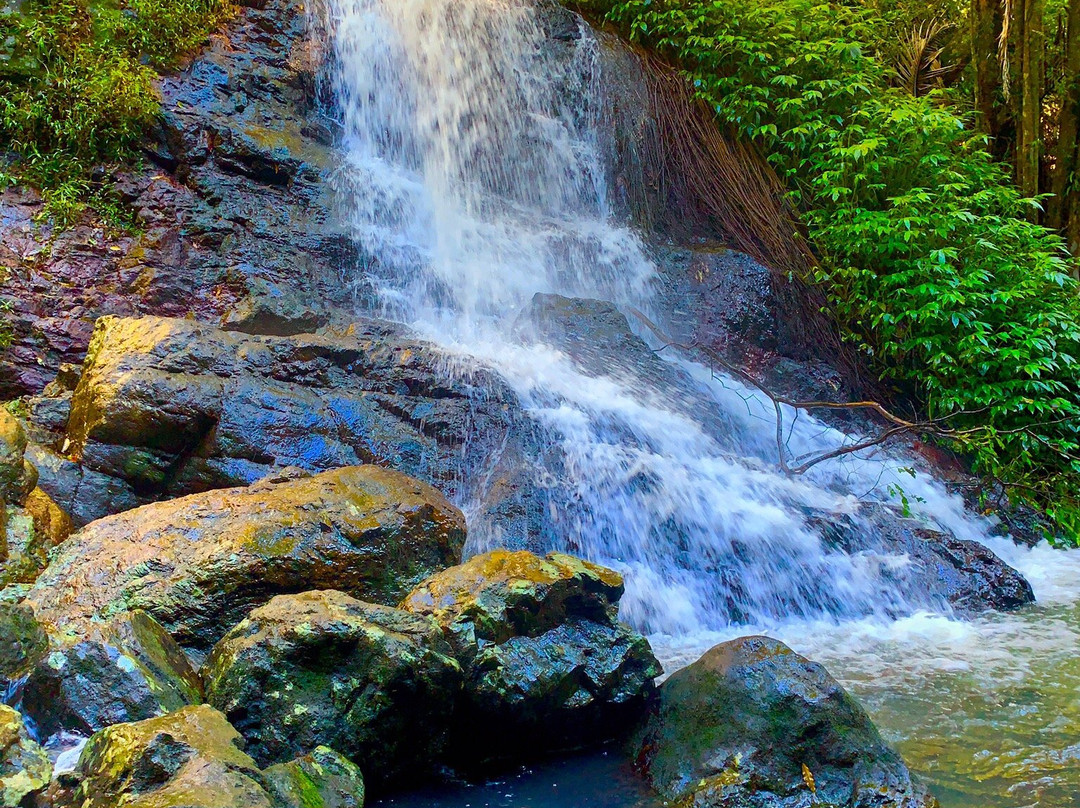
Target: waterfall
pixel 476 178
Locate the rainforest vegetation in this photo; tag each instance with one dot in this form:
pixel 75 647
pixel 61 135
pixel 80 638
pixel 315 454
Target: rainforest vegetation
pixel 929 147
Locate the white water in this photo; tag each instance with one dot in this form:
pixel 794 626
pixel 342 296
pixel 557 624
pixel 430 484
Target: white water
pixel 475 175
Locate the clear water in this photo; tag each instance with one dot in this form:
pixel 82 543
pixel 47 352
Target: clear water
pixel 474 177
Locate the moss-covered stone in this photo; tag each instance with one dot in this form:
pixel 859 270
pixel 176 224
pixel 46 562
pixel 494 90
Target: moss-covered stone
pixel 24 766
pixel 199 564
pixel 191 758
pixel 320 779
pixel 23 641
pixel 547 665
pixel 754 724
pixel 17 477
pixel 503 594
pixel 125 670
pixel 321 668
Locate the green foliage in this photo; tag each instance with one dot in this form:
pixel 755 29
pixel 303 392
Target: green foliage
pixel 924 247
pixel 77 85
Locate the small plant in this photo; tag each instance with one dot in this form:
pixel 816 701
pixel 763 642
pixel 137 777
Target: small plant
pixel 77 87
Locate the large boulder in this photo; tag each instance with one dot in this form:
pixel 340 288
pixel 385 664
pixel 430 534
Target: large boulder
pixel 98 674
pixel 754 725
pixel 199 564
pixel 547 665
pixel 168 407
pixel 321 668
pixel 24 766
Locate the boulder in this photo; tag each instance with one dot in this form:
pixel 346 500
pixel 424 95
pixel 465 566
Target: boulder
pixel 24 766
pixel 168 407
pixel 51 522
pixel 96 675
pixel 190 758
pixel 319 779
pixel 23 548
pixel 547 666
pixel 322 668
pixel 23 641
pixel 754 725
pixel 199 564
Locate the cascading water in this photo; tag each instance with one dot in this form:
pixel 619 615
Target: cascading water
pixel 477 180
pixel 475 177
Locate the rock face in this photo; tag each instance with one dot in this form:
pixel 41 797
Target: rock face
pixel 24 766
pixel 547 666
pixel 200 563
pixel 753 724
pixel 233 209
pixel 321 668
pixel 97 675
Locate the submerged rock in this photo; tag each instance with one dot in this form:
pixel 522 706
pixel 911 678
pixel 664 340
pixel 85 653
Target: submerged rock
pixel 95 675
pixel 190 758
pixel 24 766
pixel 200 563
pixel 753 725
pixel 547 666
pixel 322 668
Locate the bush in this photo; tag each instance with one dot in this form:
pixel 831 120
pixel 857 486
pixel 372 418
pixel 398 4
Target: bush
pixel 77 85
pixel 924 248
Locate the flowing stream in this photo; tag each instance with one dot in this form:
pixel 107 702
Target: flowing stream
pixel 476 177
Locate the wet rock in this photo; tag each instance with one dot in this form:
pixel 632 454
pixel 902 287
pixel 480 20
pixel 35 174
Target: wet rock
pixel 23 641
pixel 753 724
pixel 52 524
pixel 199 564
pixel 547 666
pixel 171 407
pixel 97 675
pixel 23 549
pixel 24 766
pixel 322 668
pixel 236 199
pixel 190 758
pixel 17 477
pixel 938 569
pixel 319 779
pixel 82 493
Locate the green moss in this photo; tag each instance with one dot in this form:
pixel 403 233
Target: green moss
pixel 77 89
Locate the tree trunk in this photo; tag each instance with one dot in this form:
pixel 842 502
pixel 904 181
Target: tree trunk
pixel 1031 43
pixel 1065 204
pixel 987 17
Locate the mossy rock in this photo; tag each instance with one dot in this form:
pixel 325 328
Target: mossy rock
pixel 753 724
pixel 17 477
pixel 547 665
pixel 191 758
pixel 320 779
pixel 199 564
pixel 23 641
pixel 24 765
pixel 321 668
